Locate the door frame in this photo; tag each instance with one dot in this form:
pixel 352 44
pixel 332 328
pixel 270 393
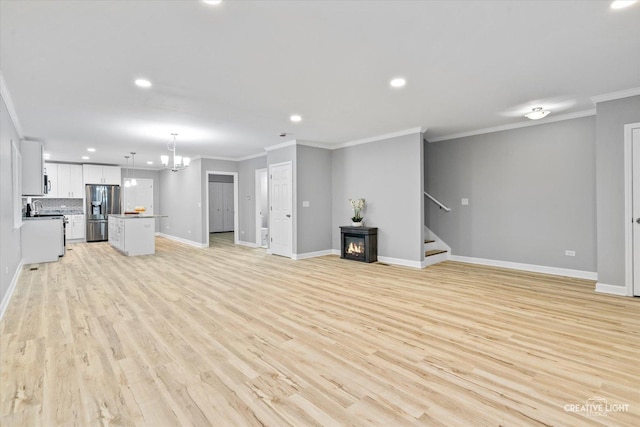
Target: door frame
pixel 628 207
pixel 257 205
pixel 236 238
pixel 293 204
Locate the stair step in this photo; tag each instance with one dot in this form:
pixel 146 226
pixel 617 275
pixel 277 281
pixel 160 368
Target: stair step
pixel 428 241
pixel 435 252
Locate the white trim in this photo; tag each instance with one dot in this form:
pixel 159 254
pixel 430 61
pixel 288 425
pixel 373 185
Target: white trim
pixel 12 288
pixel 528 123
pixel 616 95
pixel 185 241
pixel 248 244
pixel 251 156
pixel 11 109
pixel 611 289
pixel 578 274
pixel 236 238
pixel 628 207
pixel 400 261
pixel 380 137
pixel 256 210
pixel 281 145
pixel 312 254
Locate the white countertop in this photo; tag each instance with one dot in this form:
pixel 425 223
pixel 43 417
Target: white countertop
pixel 136 216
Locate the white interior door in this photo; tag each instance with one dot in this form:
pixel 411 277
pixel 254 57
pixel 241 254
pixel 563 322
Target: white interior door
pixel 636 210
pixel 216 209
pixel 281 193
pixel 227 201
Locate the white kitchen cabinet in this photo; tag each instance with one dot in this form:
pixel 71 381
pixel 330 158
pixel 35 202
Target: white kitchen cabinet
pixel 97 174
pixel 32 168
pixel 133 234
pixel 42 240
pixel 51 171
pixel 76 227
pixel 70 181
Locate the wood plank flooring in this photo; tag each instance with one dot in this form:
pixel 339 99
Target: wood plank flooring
pixel 231 336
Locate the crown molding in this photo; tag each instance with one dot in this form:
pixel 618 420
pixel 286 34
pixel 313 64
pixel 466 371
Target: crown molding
pixel 562 117
pixel 6 96
pixel 411 131
pixel 281 145
pixel 616 95
pixel 251 156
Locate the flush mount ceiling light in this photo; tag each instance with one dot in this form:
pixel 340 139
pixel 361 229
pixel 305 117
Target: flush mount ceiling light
pixel 143 83
pixel 621 4
pixel 537 113
pixel 295 118
pixel 179 162
pixel 398 82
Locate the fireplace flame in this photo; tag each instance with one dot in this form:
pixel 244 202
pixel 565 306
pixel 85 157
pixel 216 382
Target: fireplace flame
pixel 355 249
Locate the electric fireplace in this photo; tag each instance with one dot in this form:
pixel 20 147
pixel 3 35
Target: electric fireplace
pixel 359 243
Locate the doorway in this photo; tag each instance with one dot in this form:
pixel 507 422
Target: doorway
pixel 280 214
pixel 262 208
pixel 222 203
pixel 632 208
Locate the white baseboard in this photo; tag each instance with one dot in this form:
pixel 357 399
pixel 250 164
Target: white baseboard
pixel 249 244
pixel 612 289
pixel 312 254
pixel 185 241
pixel 400 261
pixel 12 288
pixel 578 274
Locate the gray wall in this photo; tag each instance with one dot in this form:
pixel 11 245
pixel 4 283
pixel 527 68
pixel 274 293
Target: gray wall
pixel 181 200
pixel 281 155
pixel 610 120
pixel 388 174
pixel 10 245
pixel 313 185
pixel 147 174
pixel 531 194
pixel 247 195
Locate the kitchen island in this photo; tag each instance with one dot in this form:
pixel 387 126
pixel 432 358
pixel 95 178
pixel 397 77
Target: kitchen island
pixel 133 234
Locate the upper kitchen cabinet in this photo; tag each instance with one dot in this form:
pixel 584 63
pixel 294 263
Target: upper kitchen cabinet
pixel 70 181
pixel 64 180
pixel 32 168
pixel 96 174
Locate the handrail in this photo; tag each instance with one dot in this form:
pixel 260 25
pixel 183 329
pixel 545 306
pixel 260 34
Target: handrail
pixel 437 202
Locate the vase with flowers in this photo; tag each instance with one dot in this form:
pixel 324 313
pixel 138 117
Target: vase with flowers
pixel 357 205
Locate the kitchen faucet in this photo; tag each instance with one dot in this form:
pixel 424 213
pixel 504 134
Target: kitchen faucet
pixel 35 208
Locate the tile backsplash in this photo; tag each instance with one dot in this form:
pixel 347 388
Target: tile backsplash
pixel 65 206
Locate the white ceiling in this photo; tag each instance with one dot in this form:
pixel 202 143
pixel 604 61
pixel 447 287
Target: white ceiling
pixel 227 78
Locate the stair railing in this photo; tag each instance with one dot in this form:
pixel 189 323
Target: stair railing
pixel 437 202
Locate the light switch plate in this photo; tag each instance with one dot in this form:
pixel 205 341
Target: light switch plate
pixel 305 204
pixel 465 202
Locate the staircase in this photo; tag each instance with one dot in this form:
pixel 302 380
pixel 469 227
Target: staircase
pixel 435 250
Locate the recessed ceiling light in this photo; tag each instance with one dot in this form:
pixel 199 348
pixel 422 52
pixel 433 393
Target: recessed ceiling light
pixel 621 4
pixel 213 2
pixel 149 162
pixel 143 83
pixel 537 113
pixel 295 118
pixel 91 150
pixel 46 155
pixel 398 82
pixel 85 157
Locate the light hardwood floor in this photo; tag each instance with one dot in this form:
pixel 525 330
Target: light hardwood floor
pixel 231 336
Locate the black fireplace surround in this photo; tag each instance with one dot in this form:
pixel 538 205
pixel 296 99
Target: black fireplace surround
pixel 359 243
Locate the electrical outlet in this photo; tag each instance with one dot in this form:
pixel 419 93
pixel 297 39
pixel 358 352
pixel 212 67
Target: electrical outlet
pixel 242 232
pixel 570 253
pixel 6 270
pixel 305 204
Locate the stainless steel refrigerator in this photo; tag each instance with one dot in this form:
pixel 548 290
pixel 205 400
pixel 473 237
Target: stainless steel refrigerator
pixel 102 201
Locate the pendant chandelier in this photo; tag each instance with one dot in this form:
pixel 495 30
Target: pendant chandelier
pixel 131 182
pixel 179 162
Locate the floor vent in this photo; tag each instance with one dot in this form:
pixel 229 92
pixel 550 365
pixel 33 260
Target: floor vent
pixel 33 268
